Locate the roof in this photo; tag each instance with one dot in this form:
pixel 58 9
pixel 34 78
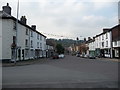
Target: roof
pixel 108 30
pixel 115 26
pixel 4 15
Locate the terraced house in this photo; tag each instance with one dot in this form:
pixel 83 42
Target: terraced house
pixel 116 41
pixel 19 41
pixel 107 43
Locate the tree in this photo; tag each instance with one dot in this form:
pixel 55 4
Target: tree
pixel 60 49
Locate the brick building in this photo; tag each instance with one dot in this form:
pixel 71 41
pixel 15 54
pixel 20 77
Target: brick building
pixel 116 41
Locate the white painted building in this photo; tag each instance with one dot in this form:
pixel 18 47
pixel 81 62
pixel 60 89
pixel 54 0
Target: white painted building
pixel 92 47
pixel 29 42
pixel 101 44
pixel 105 40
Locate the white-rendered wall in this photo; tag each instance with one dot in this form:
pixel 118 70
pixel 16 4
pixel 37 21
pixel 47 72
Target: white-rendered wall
pixel 21 37
pixel 7 37
pixel 0 39
pixel 108 39
pixel 0 53
pixel 92 46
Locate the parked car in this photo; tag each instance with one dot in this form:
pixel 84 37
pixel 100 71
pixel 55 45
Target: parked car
pixel 92 57
pixel 78 55
pixel 82 55
pixel 56 56
pixel 73 54
pixel 86 56
pixel 61 56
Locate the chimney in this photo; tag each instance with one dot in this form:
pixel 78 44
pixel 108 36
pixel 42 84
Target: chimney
pixel 84 39
pixel 33 27
pixel 94 38
pixel 89 38
pixel 7 9
pixel 105 30
pixel 23 19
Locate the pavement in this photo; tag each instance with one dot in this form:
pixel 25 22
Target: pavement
pixel 29 62
pixel 70 72
pixel 109 59
pixel 25 62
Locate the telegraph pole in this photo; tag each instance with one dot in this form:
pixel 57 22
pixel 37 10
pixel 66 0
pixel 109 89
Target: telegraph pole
pixel 17 32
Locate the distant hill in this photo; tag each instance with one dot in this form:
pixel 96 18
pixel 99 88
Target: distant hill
pixel 66 42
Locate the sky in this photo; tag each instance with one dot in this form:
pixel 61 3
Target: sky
pixel 67 19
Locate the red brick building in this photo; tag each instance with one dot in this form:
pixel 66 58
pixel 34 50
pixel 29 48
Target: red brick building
pixel 116 41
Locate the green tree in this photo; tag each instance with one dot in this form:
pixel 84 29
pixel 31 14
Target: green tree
pixel 60 49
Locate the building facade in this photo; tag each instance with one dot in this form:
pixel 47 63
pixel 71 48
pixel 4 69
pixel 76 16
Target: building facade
pixel 92 47
pixel 105 46
pixel 19 40
pixel 116 41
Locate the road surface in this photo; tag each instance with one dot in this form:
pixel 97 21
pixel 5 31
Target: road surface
pixel 70 72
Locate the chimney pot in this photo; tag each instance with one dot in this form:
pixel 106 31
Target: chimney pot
pixel 105 30
pixel 33 27
pixel 23 19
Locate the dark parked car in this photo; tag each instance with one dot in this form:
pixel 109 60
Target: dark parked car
pixel 92 57
pixel 56 56
pixel 78 55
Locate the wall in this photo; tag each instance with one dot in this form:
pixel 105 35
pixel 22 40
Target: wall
pixel 0 39
pixel 7 27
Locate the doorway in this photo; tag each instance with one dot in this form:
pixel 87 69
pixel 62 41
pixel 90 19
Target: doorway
pixel 19 54
pixel 13 54
pixel 23 56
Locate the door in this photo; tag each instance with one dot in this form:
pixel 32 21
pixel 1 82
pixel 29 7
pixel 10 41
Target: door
pixel 113 53
pixel 19 54
pixel 13 54
pixel 23 56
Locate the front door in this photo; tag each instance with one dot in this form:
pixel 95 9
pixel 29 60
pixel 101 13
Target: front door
pixel 23 56
pixel 13 54
pixel 19 54
pixel 113 53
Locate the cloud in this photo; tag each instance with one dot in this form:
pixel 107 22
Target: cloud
pixel 71 18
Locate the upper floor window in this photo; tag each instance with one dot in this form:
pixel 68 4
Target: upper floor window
pixel 26 43
pixel 31 44
pixel 14 25
pixel 102 37
pixel 27 31
pixel 31 33
pixel 37 36
pixel 106 36
pixel 106 43
pixel 40 37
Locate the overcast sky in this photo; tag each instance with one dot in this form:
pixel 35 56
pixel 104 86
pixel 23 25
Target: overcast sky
pixel 68 18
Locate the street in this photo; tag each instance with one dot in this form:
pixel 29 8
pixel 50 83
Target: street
pixel 70 72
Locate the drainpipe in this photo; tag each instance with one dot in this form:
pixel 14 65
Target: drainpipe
pixel 29 44
pixel 111 56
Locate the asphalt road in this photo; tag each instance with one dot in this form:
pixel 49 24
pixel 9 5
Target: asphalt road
pixel 70 72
